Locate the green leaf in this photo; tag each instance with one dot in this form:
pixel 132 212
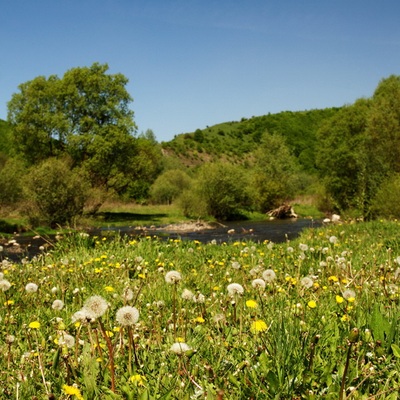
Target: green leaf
pixel 396 350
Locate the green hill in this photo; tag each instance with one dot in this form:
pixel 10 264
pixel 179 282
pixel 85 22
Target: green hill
pixel 234 140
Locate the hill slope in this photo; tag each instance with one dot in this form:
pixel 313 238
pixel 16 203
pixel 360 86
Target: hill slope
pixel 234 140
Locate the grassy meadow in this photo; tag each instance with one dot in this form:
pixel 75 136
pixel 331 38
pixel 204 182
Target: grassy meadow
pixel 119 318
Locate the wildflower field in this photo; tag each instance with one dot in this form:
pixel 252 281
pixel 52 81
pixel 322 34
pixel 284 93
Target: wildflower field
pixel 117 318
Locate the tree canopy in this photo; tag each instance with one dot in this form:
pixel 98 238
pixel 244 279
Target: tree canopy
pixel 84 115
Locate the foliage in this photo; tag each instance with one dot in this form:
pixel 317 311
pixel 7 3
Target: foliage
pixel 275 175
pixel 325 325
pixel 56 194
pixel 235 140
pixel 11 175
pixel 223 189
pixel 84 115
pixel 342 156
pixel 386 201
pixel 169 185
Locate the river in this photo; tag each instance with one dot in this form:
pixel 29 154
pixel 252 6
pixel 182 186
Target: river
pixel 276 231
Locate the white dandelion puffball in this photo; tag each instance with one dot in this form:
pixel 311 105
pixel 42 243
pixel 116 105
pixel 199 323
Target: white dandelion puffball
pixel 66 340
pixel 187 294
pixel 96 305
pixel 258 283
pixel 172 277
pixel 31 287
pixel 180 348
pixel 307 282
pixel 127 316
pixel 269 275
pixel 333 239
pixel 235 288
pixel 83 316
pixel 127 294
pixel 349 294
pixel 303 247
pixel 57 305
pixel 235 265
pixel 4 285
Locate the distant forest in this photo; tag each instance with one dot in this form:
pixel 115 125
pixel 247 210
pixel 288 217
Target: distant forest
pixel 70 143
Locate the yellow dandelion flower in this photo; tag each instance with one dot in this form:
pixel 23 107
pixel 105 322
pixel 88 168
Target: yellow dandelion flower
pixel 9 302
pixel 345 318
pixel 34 325
pixel 200 320
pixel 339 299
pixel 258 326
pixel 312 304
pixel 109 289
pixel 333 278
pixel 137 379
pixel 180 340
pixel 251 304
pixel 72 391
pixel 351 299
pixel 142 276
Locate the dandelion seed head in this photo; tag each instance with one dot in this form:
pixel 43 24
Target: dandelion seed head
pixel 235 265
pixel 307 282
pixel 173 277
pixel 127 316
pixel 66 340
pixel 83 316
pixel 127 294
pixel 4 285
pixel 96 305
pixel 235 288
pixel 57 305
pixel 31 287
pixel 258 283
pixel 200 298
pixel 187 294
pixel 349 294
pixel 180 348
pixel 303 247
pixel 269 275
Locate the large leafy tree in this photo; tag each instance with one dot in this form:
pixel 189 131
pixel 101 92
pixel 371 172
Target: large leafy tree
pixel 343 159
pixel 84 114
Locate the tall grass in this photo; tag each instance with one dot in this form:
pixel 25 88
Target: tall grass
pixel 294 338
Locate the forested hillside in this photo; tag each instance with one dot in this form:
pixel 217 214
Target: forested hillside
pixel 235 140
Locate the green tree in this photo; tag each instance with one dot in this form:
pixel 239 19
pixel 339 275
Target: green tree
pixel 85 115
pixel 343 158
pixel 275 173
pixel 384 126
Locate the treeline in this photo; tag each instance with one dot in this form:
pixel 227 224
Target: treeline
pixel 71 143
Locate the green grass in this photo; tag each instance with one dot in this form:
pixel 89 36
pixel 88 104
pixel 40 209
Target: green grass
pixel 294 339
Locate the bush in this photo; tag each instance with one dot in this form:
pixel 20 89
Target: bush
pixel 223 189
pixel 11 182
pixel 169 186
pixel 56 194
pixel 386 202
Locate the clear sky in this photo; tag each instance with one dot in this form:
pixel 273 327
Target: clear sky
pixel 193 63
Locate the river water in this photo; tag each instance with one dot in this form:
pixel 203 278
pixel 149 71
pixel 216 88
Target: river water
pixel 276 231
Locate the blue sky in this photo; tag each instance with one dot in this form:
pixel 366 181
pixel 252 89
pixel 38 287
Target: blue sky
pixel 196 63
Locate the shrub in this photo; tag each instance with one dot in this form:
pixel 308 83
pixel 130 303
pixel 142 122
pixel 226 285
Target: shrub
pixel 169 186
pixel 56 193
pixel 11 182
pixel 386 202
pixel 223 188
